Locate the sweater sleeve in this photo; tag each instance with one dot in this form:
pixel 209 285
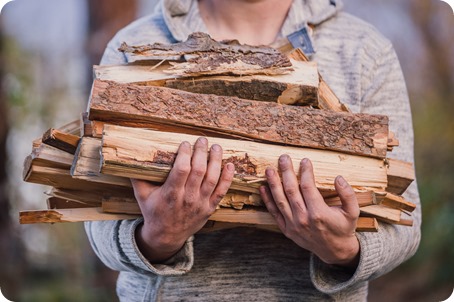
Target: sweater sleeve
pixel 383 92
pixel 114 241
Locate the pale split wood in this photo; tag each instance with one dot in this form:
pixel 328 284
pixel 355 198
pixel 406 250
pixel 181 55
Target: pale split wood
pixel 381 211
pixel 394 201
pixel 70 215
pixel 400 175
pixel 251 217
pixel 87 161
pixel 146 154
pixel 327 98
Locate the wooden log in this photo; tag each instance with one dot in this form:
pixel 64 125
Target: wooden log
pixel 205 56
pixel 400 175
pixel 61 203
pixel 327 98
pixel 380 211
pixel 365 224
pixel 361 134
pixel 70 215
pixel 86 164
pixel 61 178
pixel 45 155
pixel 394 201
pixel 299 87
pixel 61 140
pixel 93 197
pixel 147 154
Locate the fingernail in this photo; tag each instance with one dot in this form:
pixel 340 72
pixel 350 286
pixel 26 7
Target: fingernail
pixel 304 163
pixel 203 140
pixel 269 172
pixel 284 158
pixel 341 181
pixel 230 167
pixel 216 147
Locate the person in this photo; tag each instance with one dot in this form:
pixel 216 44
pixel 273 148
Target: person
pixel 318 256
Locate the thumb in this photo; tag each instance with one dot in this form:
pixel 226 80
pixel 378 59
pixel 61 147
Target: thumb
pixel 347 197
pixel 142 189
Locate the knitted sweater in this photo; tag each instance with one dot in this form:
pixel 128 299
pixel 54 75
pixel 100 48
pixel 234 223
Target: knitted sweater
pixel 246 264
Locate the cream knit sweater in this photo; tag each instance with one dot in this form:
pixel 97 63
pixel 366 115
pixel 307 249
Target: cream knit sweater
pixel 251 265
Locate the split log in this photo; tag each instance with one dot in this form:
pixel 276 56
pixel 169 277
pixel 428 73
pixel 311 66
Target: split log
pixel 361 134
pixel 61 140
pixel 380 211
pixel 205 56
pixel 70 215
pixel 148 154
pixel 300 87
pixel 327 98
pixel 400 175
pixel 61 203
pixel 364 224
pixel 86 164
pixel 394 201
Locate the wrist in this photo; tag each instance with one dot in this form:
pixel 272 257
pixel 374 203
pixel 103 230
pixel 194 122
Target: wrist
pixel 157 248
pixel 349 256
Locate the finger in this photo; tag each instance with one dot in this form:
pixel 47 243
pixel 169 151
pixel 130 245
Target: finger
pixel 225 180
pixel 213 171
pixel 181 167
pixel 277 191
pixel 347 196
pixel 142 189
pixel 198 165
pixel 311 195
pixel 268 200
pixel 291 185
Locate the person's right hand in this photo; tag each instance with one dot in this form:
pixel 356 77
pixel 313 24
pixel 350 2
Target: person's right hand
pixel 181 206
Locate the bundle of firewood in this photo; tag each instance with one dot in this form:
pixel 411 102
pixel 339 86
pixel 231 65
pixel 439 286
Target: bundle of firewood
pixel 256 102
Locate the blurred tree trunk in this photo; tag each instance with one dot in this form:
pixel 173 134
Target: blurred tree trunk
pixel 11 250
pixel 106 17
pixel 435 29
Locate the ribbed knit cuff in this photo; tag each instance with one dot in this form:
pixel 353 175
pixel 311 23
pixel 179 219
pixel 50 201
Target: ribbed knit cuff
pixel 331 279
pixel 178 264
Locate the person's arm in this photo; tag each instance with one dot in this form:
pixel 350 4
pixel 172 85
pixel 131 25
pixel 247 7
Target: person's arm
pixel 339 258
pixel 384 92
pixel 161 242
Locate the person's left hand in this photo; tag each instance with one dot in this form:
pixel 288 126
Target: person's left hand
pixel 303 216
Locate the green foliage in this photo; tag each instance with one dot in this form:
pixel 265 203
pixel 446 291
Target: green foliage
pixel 434 149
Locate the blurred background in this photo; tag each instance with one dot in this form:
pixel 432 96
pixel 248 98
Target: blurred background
pixel 47 48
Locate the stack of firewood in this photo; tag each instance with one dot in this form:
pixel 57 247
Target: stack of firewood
pixel 256 102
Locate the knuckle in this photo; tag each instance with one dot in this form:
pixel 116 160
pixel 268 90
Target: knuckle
pixel 182 169
pixel 198 171
pixel 291 191
pixel 280 204
pixel 306 185
pixel 302 223
pixel 316 219
pixel 211 182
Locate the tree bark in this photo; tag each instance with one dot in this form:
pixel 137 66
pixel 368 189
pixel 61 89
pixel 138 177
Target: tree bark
pixel 362 134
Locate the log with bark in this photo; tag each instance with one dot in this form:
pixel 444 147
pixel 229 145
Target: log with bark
pixel 362 134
